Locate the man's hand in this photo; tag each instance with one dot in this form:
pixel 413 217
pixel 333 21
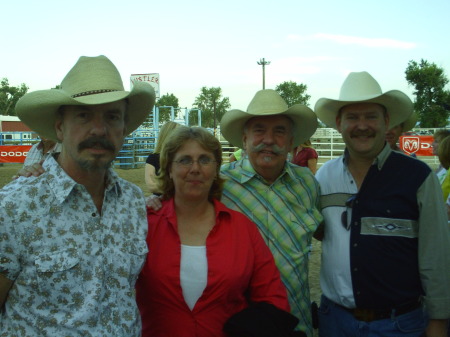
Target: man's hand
pixel 33 170
pixel 437 328
pixel 154 202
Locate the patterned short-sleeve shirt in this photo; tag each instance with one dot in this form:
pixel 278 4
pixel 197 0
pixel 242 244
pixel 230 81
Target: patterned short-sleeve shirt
pixel 73 269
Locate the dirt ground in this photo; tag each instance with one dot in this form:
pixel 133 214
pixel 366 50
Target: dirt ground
pixel 136 176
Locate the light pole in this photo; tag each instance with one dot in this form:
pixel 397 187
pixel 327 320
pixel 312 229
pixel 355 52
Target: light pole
pixel 262 62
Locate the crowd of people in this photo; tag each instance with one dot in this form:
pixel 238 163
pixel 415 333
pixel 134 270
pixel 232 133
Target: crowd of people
pixel 222 249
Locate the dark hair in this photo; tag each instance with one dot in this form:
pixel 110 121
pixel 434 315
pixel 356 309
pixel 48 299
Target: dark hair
pixel 440 134
pixel 173 143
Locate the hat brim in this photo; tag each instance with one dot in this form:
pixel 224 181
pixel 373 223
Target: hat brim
pixel 39 109
pixel 397 104
pixel 305 124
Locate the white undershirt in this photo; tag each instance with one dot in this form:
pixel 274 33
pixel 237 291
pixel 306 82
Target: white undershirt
pixel 193 273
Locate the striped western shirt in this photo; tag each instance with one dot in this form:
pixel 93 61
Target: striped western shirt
pixel 287 214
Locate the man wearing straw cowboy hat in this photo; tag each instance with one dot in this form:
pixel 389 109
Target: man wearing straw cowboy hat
pixel 394 133
pixel 280 197
pixel 386 246
pixel 72 241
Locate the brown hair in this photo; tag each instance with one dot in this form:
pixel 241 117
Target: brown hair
pixel 173 143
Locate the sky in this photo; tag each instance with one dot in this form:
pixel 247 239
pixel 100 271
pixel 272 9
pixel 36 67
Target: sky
pixel 211 43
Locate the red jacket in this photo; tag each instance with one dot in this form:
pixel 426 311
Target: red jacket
pixel 240 269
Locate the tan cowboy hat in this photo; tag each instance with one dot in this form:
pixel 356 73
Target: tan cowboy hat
pixel 92 80
pixel 361 87
pixel 268 103
pixel 410 122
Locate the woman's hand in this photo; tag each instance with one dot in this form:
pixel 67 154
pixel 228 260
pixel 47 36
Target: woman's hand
pixel 32 170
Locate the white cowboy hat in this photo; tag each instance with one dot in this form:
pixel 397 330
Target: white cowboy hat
pixel 362 87
pixel 268 103
pixel 92 80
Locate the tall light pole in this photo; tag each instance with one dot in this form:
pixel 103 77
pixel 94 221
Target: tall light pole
pixel 262 62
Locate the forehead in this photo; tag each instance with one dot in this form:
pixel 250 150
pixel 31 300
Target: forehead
pixel 362 108
pixel 113 107
pixel 191 145
pixel 275 121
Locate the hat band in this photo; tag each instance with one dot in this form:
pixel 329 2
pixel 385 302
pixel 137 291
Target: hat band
pixel 92 92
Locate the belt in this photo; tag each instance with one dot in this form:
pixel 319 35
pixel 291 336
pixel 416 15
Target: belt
pixel 369 315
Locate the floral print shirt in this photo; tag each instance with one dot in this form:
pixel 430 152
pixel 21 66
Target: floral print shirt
pixel 73 269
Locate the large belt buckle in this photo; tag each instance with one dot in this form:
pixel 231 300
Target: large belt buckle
pixel 365 315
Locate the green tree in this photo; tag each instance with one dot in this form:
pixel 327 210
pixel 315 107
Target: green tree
pixel 166 100
pixel 293 93
pixel 432 102
pixel 9 96
pixel 212 105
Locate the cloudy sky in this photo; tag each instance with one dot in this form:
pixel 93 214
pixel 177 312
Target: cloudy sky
pixel 218 43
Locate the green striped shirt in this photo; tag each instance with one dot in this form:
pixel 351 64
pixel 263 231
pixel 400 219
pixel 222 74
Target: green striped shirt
pixel 287 214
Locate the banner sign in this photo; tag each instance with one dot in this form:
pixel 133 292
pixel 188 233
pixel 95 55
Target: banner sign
pixel 13 153
pixel 420 145
pixel 152 78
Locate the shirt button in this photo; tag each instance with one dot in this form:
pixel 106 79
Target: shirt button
pixel 355 269
pixel 355 245
pixel 94 215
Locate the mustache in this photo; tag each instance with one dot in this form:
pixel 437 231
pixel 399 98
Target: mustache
pixel 274 148
pixel 95 141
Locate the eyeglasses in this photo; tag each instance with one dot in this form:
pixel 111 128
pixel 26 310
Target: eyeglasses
pixel 344 216
pixel 188 162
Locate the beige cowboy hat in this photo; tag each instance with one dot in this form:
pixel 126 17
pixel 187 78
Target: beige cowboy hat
pixel 361 87
pixel 268 103
pixel 91 81
pixel 410 122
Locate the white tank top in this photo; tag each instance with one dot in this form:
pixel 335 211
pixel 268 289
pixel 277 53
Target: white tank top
pixel 193 273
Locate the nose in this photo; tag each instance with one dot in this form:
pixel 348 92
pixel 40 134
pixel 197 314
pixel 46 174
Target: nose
pixel 98 126
pixel 268 137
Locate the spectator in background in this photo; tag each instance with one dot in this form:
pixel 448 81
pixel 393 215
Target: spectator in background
pixel 37 154
pixel 306 156
pixel 394 133
pixel 206 262
pixel 152 162
pixel 438 136
pixel 444 159
pixel 237 155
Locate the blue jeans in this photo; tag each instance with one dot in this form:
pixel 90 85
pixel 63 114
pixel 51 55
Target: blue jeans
pixel 335 321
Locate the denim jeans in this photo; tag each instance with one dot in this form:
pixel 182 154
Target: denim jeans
pixel 335 321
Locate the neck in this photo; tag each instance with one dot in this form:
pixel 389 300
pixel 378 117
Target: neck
pixel 358 167
pixel 93 180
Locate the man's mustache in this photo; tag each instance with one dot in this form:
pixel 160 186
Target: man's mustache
pixel 274 148
pixel 96 141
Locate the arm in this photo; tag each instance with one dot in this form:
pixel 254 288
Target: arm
pixel 312 165
pixel 434 250
pixel 5 285
pixel 150 178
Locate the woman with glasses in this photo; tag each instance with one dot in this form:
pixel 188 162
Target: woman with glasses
pixel 206 262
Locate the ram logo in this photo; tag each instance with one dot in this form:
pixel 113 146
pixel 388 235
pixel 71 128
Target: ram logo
pixel 411 144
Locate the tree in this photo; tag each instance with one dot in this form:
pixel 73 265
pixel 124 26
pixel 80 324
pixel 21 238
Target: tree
pixel 432 103
pixel 293 93
pixel 166 100
pixel 9 96
pixel 212 105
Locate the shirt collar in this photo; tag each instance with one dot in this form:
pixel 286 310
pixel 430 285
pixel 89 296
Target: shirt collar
pixel 379 160
pixel 248 172
pixel 62 184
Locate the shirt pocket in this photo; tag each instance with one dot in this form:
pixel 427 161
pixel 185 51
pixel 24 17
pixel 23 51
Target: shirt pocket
pixel 59 276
